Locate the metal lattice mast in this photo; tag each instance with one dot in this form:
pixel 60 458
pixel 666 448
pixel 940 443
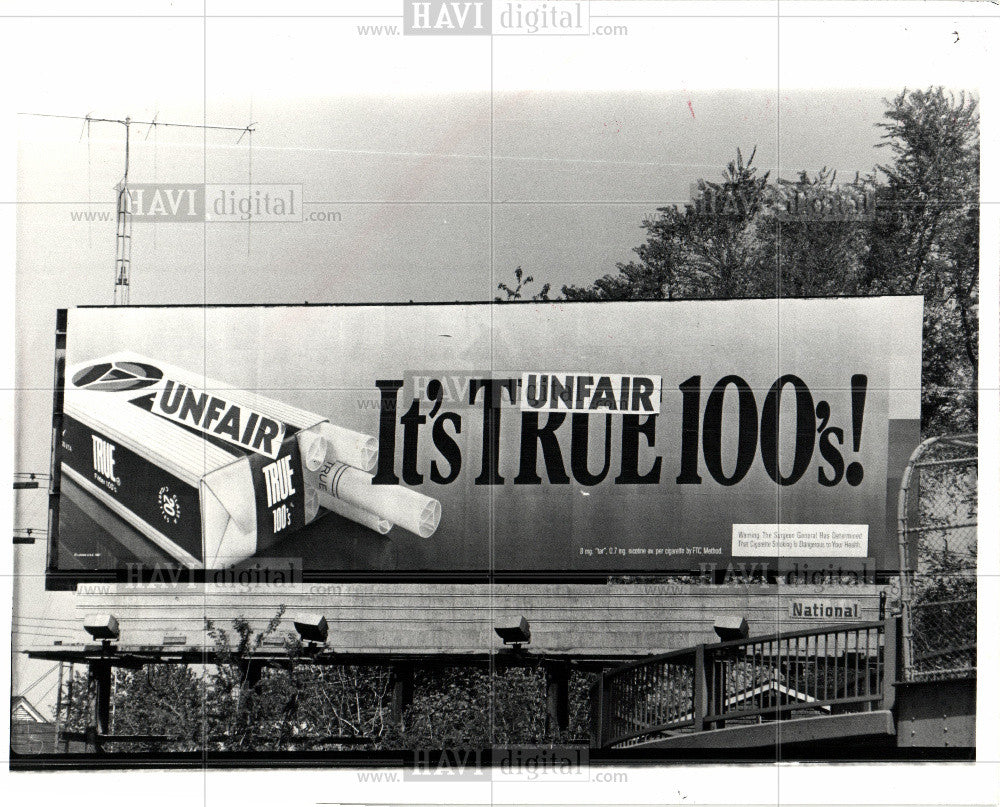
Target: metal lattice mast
pixel 123 216
pixel 123 236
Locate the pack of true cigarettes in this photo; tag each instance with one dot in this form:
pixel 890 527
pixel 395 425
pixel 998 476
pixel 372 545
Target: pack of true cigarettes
pixel 214 474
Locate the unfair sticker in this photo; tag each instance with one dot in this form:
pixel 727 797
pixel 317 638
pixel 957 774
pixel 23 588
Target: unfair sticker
pixel 214 415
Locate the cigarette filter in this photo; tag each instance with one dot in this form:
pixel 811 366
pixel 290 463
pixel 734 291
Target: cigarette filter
pixel 349 447
pixel 398 505
pixel 209 473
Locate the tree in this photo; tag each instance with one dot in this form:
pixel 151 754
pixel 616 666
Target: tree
pixel 917 232
pixel 466 707
pixel 817 253
pixel 709 249
pixel 925 240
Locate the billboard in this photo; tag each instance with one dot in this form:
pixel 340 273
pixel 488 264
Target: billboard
pixel 540 441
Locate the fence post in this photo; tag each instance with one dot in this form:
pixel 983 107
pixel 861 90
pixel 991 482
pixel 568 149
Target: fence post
pixel 906 563
pixel 700 689
pixel 890 670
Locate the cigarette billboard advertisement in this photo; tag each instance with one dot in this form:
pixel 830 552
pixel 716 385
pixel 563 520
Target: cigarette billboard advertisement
pixel 545 441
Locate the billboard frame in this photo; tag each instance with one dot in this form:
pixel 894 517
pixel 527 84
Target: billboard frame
pixel 57 579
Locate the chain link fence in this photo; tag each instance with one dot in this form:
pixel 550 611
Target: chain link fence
pixel 938 518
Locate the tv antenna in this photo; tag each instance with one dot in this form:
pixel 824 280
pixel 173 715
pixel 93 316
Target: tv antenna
pixel 123 216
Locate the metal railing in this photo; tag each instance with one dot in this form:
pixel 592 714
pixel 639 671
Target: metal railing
pixel 647 697
pixel 828 670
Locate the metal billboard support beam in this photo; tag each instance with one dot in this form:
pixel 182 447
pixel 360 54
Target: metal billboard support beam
pixel 69 705
pixel 402 690
pixel 100 674
pixel 59 701
pixel 251 671
pixel 557 695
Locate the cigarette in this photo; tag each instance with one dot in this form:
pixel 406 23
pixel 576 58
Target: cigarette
pixel 363 517
pixel 349 447
pixel 398 505
pixel 313 448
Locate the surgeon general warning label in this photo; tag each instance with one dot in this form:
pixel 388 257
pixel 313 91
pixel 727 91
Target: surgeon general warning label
pixel 800 540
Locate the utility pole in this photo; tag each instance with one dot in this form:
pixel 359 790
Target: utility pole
pixel 123 216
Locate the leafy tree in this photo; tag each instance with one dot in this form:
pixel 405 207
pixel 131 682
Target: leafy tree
pixel 340 701
pixel 238 708
pixel 159 699
pixel 925 240
pixel 724 255
pixel 462 707
pixel 164 699
pixel 292 704
pixel 708 249
pixel 917 234
pixel 817 253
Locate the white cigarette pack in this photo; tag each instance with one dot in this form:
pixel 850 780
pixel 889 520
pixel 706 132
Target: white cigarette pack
pixel 210 473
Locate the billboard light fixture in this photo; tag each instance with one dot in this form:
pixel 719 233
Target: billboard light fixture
pixel 515 635
pixel 311 627
pixel 731 628
pixel 102 626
